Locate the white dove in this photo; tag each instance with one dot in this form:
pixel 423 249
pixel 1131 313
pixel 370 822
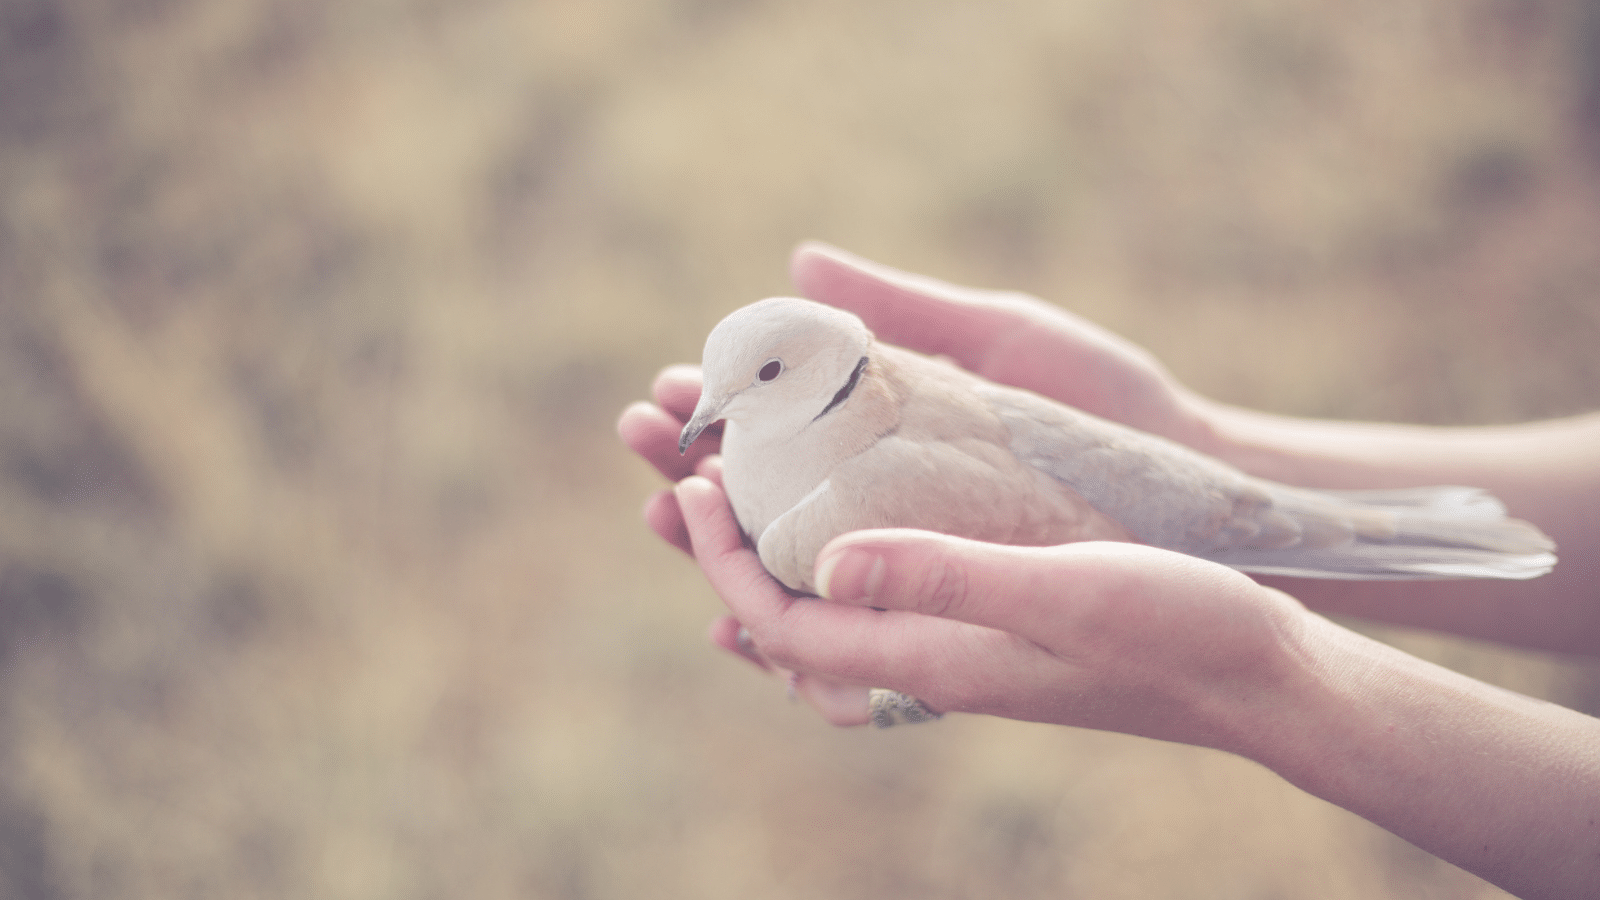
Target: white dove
pixel 829 431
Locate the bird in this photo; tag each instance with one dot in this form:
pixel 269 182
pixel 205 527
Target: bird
pixel 828 430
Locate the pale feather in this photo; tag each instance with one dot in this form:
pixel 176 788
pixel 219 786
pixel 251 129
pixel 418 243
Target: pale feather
pixel 919 443
pixel 935 458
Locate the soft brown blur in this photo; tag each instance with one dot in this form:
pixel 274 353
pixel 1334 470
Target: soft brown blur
pixel 321 569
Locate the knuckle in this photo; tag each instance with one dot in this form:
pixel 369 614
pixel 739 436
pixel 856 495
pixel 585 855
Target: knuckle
pixel 784 649
pixel 947 691
pixel 950 697
pixel 777 647
pixel 945 589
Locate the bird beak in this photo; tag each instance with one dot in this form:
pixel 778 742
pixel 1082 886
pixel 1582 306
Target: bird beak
pixel 707 411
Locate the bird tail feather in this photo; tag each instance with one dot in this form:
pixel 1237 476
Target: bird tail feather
pixel 1427 533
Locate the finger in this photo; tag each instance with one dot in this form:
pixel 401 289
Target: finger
pixel 734 570
pixel 727 633
pixel 844 705
pixel 710 469
pixel 677 389
pixel 653 434
pixel 850 643
pixel 915 311
pixel 840 703
pixel 662 514
pixel 1004 336
pixel 993 585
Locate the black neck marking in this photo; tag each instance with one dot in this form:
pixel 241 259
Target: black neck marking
pixel 844 392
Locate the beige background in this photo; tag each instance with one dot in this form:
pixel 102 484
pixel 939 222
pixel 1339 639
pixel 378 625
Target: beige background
pixel 321 571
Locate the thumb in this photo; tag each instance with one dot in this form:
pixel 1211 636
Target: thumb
pixel 939 575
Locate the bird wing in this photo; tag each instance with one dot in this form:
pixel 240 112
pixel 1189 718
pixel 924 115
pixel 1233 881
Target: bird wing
pixel 1164 494
pixel 941 462
pixel 1173 497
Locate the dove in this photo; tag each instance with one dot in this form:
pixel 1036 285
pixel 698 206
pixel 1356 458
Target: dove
pixel 828 430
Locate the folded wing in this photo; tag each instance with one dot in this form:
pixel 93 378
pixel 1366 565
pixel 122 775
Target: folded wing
pixel 1171 497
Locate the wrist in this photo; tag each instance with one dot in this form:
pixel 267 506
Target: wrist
pixel 1497 783
pixel 1286 725
pixel 1261 711
pixel 1250 441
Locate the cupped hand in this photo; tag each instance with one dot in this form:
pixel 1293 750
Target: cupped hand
pixel 1113 636
pixel 1008 337
pixel 1003 336
pixel 652 430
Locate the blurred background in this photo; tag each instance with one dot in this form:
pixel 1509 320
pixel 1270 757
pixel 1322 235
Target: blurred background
pixel 321 568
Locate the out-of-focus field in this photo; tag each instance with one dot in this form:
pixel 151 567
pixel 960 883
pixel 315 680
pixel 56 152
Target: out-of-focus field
pixel 321 570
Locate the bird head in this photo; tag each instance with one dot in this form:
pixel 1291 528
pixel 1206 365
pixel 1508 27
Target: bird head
pixel 776 364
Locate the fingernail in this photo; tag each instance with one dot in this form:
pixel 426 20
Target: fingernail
pixel 851 576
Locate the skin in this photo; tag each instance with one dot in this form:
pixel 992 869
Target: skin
pixel 1132 639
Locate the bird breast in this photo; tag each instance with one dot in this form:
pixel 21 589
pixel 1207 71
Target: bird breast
pixel 766 478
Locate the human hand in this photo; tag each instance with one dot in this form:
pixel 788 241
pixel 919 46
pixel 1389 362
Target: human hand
pixel 1119 637
pixel 1003 336
pixel 652 431
pixel 1007 337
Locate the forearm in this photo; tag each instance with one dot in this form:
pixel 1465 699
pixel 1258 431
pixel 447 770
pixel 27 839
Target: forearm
pixel 1502 785
pixel 1526 460
pixel 1547 473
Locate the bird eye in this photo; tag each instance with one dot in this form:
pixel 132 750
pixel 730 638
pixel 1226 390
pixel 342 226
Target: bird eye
pixel 771 370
